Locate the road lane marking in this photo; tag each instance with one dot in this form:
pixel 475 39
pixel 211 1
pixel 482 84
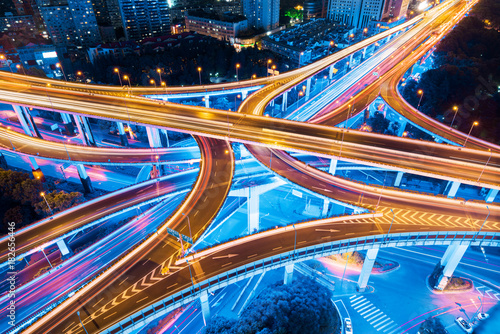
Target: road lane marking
pixel 109 316
pixel 227 264
pixel 140 300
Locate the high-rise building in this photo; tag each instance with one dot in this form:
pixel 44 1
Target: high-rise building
pixel 144 18
pixel 70 22
pixel 262 13
pixel 355 13
pixel 29 7
pixel 107 13
pixel 395 8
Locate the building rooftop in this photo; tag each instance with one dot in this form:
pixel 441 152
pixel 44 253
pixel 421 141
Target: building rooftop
pixel 226 17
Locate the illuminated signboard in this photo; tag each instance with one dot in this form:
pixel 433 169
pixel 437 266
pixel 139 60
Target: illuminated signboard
pixel 51 54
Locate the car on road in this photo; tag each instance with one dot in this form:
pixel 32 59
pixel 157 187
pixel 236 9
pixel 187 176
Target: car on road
pixel 347 326
pixel 482 316
pixel 464 324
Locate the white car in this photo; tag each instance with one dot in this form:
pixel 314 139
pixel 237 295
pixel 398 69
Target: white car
pixel 482 316
pixel 347 326
pixel 464 324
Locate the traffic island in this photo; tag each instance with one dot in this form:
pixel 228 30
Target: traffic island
pixel 355 261
pixel 439 283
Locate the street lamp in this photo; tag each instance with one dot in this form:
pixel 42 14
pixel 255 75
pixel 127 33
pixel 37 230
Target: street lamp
pixel 254 76
pixel 300 57
pixel 473 124
pixel 273 68
pixel 2 57
pixel 8 128
pixel 117 71
pixel 78 312
pixel 483 223
pixel 153 82
pixel 237 67
pixel 199 74
pixel 189 224
pixel 421 93
pixel 43 195
pixel 269 61
pixel 64 143
pixel 58 65
pixel 20 67
pixel 41 249
pixel 455 108
pixel 332 43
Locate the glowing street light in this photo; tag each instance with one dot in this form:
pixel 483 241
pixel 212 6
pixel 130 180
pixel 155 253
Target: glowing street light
pixel 2 57
pixel 58 65
pixel 20 67
pixel 43 195
pixel 153 82
pixel 254 76
pixel 117 71
pixel 455 108
pixel 269 61
pixel 237 67
pixel 473 125
pixel 199 74
pixel 332 43
pixel 421 93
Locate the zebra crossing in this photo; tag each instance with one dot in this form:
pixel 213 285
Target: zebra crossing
pixel 375 317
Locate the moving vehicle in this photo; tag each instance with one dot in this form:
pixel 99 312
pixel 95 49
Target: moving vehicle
pixel 347 326
pixel 464 324
pixel 482 316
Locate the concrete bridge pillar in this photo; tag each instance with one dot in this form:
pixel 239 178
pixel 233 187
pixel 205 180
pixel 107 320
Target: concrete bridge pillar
pixel 285 101
pixel 123 135
pixel 490 196
pixel 331 72
pixel 253 210
pixel 244 95
pixel 68 124
pixel 205 306
pixel 452 188
pixel 364 276
pixel 333 166
pixel 449 263
pixel 363 53
pixel 21 116
pixel 288 274
pixel 35 169
pixel 402 128
pixel 84 178
pixel 308 88
pixel 153 137
pixel 207 101
pixel 351 57
pixel 326 206
pixel 399 177
pixel 84 128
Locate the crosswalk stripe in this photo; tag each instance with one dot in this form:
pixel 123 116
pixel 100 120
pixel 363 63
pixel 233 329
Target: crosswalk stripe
pixel 356 299
pixel 376 310
pixel 393 331
pixel 353 296
pixel 357 302
pixel 366 311
pixel 388 320
pixel 373 316
pixel 361 305
pixel 377 320
pixel 392 327
pixel 365 307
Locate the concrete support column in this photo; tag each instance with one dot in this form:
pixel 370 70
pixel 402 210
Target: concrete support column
pixel 31 122
pixel 253 210
pixel 285 101
pixel 205 306
pixel 452 188
pixel 333 166
pixel 85 130
pixel 35 169
pixel 402 128
pixel 308 88
pixel 153 137
pixel 351 57
pixel 68 124
pixel 326 205
pixel 244 95
pixel 85 179
pixel 399 177
pixel 371 256
pixel 331 72
pixel 164 138
pixel 123 135
pixel 492 193
pixel 207 101
pixel 288 274
pixel 363 53
pixel 449 262
pixel 22 119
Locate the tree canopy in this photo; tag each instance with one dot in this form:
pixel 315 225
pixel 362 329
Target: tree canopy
pixel 301 307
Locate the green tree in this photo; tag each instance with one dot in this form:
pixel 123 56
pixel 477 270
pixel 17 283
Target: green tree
pixel 58 201
pixel 432 326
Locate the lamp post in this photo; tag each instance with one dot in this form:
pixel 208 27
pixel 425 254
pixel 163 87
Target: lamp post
pixel 269 61
pixel 273 68
pixel 192 282
pixel 455 108
pixel 43 252
pixel 300 58
pixel 295 242
pixel 189 224
pixel 199 74
pixel 153 82
pixel 468 135
pixel 387 236
pixel 254 76
pixel 8 128
pixel 237 67
pixel 64 143
pixel 421 93
pixel 491 153
pixel 2 57
pixel 20 67
pixel 117 71
pixel 43 195
pixel 78 312
pixel 483 223
pixel 164 84
pixel 58 65
pixel 332 43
